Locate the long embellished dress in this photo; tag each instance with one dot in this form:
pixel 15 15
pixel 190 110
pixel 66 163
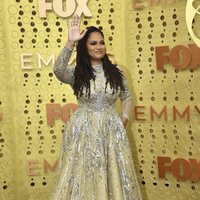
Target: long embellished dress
pixel 95 161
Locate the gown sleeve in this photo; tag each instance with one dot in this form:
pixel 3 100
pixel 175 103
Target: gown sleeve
pixel 61 69
pixel 126 99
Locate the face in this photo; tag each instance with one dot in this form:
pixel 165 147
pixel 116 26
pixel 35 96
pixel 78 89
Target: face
pixel 96 47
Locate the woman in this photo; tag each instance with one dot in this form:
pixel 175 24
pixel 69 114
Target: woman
pixel 95 161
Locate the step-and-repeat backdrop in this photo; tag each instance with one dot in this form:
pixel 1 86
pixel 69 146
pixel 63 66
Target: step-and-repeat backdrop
pixel 156 44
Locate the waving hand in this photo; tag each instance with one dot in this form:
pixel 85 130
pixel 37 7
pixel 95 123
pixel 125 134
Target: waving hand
pixel 74 34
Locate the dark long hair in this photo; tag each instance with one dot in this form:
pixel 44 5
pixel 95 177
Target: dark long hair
pixel 84 71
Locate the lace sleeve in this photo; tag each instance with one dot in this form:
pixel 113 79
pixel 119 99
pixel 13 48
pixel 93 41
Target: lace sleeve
pixel 61 69
pixel 126 99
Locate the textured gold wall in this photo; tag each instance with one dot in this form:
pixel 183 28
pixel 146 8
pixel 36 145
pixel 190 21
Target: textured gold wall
pixel 131 35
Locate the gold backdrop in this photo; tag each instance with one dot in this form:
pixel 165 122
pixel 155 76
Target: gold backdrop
pixel 29 144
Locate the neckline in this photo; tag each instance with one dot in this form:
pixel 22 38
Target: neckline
pixel 97 65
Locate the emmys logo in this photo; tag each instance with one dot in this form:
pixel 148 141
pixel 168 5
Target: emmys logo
pixel 192 11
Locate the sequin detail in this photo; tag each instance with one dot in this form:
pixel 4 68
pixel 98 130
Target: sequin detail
pixel 95 161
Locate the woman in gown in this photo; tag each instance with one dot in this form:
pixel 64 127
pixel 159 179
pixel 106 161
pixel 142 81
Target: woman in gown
pixel 95 161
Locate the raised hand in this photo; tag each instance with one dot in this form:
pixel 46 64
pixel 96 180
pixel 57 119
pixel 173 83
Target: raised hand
pixel 74 34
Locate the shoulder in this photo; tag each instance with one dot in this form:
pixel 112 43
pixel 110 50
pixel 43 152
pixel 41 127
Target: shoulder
pixel 120 69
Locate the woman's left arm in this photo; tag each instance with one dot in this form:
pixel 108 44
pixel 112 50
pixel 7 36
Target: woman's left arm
pixel 126 102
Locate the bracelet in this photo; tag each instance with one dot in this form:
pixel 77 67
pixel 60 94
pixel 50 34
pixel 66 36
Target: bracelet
pixel 70 49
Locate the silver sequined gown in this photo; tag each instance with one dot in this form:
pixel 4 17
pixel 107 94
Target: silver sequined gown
pixel 95 161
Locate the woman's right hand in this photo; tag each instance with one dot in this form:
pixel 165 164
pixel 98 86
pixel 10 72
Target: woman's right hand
pixel 74 34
